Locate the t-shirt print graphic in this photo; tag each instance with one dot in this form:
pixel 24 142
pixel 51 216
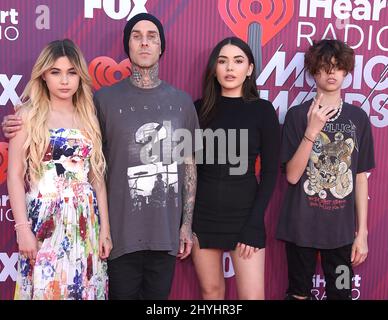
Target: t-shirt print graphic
pixel 153 186
pixel 329 171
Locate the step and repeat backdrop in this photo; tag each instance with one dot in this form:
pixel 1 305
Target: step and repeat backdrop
pixel 278 31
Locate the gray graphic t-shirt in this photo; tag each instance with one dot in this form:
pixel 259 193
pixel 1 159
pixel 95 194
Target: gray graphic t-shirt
pixel 319 211
pixel 145 203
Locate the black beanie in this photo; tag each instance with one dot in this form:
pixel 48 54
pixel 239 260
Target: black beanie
pixel 135 19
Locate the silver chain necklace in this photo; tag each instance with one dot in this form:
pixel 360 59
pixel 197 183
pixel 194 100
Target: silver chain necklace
pixel 337 114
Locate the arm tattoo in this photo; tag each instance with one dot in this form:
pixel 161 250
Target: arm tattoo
pixel 189 190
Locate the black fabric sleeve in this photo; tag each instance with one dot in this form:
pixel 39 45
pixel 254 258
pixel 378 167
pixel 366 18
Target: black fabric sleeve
pixel 290 138
pixel 193 126
pixel 198 105
pixel 366 159
pixel 253 232
pixel 101 120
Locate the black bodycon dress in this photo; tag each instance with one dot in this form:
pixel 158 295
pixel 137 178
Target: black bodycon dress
pixel 230 208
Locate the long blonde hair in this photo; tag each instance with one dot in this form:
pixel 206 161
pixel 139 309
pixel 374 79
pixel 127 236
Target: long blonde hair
pixel 36 105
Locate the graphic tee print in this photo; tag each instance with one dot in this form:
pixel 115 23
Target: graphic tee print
pixel 153 186
pixel 329 169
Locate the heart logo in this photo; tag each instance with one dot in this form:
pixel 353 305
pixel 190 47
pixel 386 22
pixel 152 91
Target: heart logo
pixel 3 161
pixel 105 71
pixel 272 15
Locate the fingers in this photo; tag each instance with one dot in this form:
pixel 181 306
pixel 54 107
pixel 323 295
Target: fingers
pixel 187 252
pixel 12 122
pixel 12 117
pixel 319 99
pixel 181 246
pixel 353 254
pixel 10 129
pixel 324 112
pixel 358 255
pixel 31 261
pixel 363 257
pixel 315 104
pixel 187 246
pixel 101 250
pixel 359 258
pixel 181 251
pixel 9 135
pixel 320 116
pixel 10 125
pixel 30 255
pixel 250 252
pixel 245 251
pixel 10 132
pixel 241 250
pixel 312 106
pixel 105 247
pixel 105 252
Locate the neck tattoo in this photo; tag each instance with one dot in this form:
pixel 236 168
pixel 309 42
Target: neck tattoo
pixel 146 78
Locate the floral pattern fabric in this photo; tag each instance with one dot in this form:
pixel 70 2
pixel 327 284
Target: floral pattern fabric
pixel 65 220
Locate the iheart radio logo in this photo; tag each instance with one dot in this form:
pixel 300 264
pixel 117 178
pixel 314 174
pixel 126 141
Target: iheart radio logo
pixel 272 15
pixel 3 161
pixel 105 71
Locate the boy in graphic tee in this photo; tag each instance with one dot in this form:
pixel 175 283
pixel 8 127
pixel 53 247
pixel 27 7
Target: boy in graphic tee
pixel 327 148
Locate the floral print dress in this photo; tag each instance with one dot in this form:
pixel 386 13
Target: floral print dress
pixel 65 221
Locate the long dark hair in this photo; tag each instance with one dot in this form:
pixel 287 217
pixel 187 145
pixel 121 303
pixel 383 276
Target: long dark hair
pixel 211 86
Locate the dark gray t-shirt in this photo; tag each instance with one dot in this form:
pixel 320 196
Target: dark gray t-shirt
pixel 319 211
pixel 145 202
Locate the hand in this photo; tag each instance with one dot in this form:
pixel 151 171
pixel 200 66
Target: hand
pixel 105 245
pixel 185 241
pixel 317 117
pixel 246 251
pixel 10 125
pixel 359 249
pixel 28 244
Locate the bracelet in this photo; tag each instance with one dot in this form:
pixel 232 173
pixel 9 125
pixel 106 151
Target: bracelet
pixel 308 138
pixel 17 225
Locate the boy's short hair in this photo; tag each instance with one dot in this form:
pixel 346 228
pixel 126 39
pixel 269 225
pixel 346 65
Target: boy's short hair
pixel 319 56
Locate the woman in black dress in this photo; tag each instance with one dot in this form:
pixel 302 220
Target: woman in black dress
pixel 230 203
